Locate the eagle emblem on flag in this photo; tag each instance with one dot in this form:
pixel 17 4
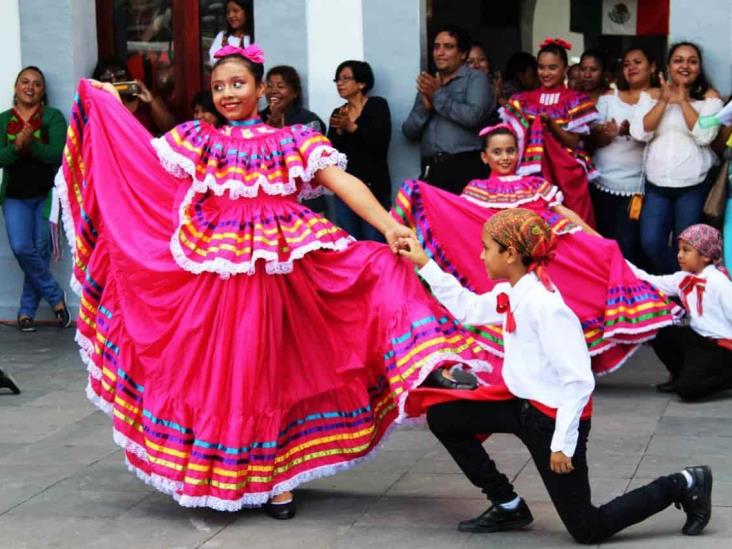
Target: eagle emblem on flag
pixel 619 14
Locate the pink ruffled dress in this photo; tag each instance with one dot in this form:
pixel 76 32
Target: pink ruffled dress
pixel 241 343
pixel 617 310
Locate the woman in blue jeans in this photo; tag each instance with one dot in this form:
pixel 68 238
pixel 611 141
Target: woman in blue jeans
pixel 678 157
pixel 32 137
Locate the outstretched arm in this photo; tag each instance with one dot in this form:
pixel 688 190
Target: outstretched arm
pixel 361 200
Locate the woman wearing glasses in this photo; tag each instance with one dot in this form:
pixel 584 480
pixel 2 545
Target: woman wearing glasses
pixel 361 129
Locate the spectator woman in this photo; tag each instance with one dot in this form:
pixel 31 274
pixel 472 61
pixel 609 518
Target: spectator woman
pixel 204 108
pixel 619 157
pixel 361 129
pixel 32 138
pixel 678 157
pixel 284 100
pixel 593 74
pixel 150 110
pixel 478 59
pixel 238 27
pixel 520 75
pixel 284 108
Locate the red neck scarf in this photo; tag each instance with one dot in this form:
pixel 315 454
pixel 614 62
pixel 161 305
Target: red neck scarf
pixel 687 286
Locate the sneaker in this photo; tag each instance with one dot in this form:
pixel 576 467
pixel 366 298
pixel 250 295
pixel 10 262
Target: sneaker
pixel 26 324
pixel 63 317
pixel 697 501
pixel 497 519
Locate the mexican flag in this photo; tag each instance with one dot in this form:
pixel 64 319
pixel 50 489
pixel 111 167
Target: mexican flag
pixel 633 17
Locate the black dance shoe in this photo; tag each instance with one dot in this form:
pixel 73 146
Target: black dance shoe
pixel 697 501
pixel 280 511
pixel 7 383
pixel 463 380
pixel 497 519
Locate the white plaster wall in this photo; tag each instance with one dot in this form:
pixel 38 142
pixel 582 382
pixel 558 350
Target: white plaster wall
pixel 334 34
pixel 10 64
pixel 711 28
pixel 551 19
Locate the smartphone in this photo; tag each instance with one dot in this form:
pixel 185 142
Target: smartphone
pixel 127 88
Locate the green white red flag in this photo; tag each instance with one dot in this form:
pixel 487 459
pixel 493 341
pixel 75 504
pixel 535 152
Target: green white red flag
pixel 624 17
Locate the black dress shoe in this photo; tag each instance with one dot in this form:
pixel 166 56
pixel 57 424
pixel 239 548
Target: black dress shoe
pixel 697 501
pixel 497 519
pixel 8 383
pixel 438 379
pixel 280 511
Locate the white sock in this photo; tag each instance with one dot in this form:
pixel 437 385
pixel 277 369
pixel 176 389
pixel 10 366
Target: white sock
pixel 689 478
pixel 510 505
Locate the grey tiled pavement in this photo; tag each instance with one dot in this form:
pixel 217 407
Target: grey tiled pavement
pixel 63 482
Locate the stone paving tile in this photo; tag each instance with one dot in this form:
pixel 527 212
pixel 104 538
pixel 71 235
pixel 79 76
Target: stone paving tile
pixel 692 427
pixel 664 531
pixel 653 466
pixel 666 445
pixel 63 482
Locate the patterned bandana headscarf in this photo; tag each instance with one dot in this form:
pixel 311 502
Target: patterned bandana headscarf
pixel 706 239
pixel 528 234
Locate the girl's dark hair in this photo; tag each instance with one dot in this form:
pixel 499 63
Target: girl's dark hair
pixel 518 63
pixel 498 131
pixel 246 6
pixel 291 78
pixel 44 98
pixel 257 69
pixel 362 73
pixel 621 82
pixel 111 64
pixel 701 85
pixel 460 35
pixel 556 50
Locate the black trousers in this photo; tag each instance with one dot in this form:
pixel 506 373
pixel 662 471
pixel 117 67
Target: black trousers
pixel 698 366
pixel 453 172
pixel 457 423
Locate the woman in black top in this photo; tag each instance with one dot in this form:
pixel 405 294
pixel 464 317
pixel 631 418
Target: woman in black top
pixel 361 129
pixel 284 108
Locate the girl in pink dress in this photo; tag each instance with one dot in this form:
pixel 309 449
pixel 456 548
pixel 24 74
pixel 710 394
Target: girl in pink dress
pixel 241 342
pixel 551 122
pixel 617 310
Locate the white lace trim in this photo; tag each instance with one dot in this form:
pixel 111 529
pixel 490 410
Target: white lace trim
pixel 554 198
pixel 67 219
pixel 226 268
pixel 174 488
pixel 616 192
pixel 321 158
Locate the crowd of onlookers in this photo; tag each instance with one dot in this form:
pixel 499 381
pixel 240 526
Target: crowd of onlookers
pixel 654 162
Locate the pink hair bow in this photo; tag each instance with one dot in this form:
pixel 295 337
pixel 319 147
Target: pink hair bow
pixel 489 129
pixel 556 42
pixel 253 53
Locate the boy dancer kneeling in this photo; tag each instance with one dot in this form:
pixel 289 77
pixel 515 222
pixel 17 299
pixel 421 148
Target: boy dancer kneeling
pixel 547 368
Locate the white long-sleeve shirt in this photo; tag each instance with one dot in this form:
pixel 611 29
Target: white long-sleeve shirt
pixel 545 358
pixel 218 42
pixel 676 156
pixel 716 321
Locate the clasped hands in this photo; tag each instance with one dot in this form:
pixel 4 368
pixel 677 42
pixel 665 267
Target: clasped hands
pixel 672 93
pixel 24 138
pixel 427 85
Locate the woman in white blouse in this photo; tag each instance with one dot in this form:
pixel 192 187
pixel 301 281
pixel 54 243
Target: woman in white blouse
pixel 678 157
pixel 618 156
pixel 238 28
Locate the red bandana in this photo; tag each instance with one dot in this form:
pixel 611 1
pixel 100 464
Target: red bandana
pixel 687 286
